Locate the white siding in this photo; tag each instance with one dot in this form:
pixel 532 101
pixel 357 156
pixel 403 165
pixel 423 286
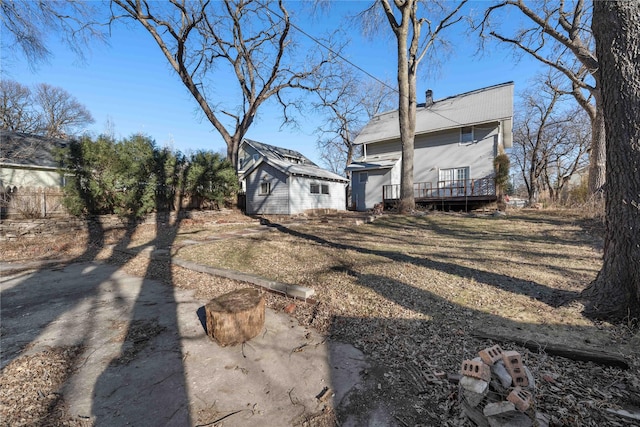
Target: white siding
pixel 301 198
pixel 276 203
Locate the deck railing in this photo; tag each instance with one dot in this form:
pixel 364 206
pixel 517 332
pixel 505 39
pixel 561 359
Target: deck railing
pixel 444 189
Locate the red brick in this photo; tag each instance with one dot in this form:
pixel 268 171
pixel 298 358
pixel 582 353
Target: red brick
pixel 521 398
pixel 476 369
pixel 440 374
pixel 491 355
pixel 513 363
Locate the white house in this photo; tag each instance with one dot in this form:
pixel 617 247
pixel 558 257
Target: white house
pixel 284 182
pixel 457 139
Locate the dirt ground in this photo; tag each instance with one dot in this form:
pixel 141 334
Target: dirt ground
pixel 411 293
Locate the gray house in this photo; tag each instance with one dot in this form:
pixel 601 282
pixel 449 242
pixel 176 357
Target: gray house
pixel 457 139
pixel 284 182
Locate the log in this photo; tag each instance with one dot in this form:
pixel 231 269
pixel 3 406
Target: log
pixel 235 317
pixel 584 355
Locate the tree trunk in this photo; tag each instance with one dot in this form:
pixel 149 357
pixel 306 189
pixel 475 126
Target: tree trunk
pixel 235 317
pixel 615 293
pixel 406 118
pixel 597 156
pixel 232 151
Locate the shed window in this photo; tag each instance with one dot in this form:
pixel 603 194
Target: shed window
pixel 466 135
pixel 325 189
pixel 315 188
pixel 265 188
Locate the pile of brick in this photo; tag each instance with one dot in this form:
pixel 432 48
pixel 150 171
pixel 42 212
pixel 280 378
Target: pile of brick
pixel 498 390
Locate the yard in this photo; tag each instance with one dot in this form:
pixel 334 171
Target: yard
pixel 413 293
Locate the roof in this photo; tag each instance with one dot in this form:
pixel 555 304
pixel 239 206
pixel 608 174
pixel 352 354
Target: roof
pixel 27 150
pixel 281 159
pixel 310 171
pixel 490 104
pixel 278 153
pixel 372 163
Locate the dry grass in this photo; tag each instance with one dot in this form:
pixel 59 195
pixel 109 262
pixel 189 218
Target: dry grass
pixel 409 290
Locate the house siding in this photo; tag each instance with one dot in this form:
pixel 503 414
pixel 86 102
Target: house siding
pixel 442 150
pixel 383 148
pixel 365 195
pixel 29 177
pixel 276 203
pixel 301 199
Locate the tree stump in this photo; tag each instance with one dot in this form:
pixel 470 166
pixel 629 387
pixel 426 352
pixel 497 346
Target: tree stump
pixel 235 317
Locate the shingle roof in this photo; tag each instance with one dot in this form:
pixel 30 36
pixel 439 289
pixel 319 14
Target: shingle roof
pixel 23 149
pixel 277 157
pixel 311 170
pixel 278 153
pixel 490 104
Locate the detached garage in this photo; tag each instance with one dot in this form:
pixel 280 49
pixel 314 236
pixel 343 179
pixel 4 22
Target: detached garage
pixel 276 185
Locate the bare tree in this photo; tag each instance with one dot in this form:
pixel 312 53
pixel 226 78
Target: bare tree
pixel 348 103
pixel 550 140
pixel 28 23
pixel 249 40
pixel 615 293
pixel 16 108
pixel 415 35
pixel 557 33
pixel 62 114
pixel 570 152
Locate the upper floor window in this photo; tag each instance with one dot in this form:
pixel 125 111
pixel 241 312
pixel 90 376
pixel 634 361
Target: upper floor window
pixel 466 135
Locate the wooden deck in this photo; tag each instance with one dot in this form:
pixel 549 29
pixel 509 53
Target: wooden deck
pixel 466 194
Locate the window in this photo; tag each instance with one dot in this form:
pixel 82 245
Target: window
pixel 265 188
pixel 325 189
pixel 466 135
pixel 453 177
pixel 315 188
pixel 364 176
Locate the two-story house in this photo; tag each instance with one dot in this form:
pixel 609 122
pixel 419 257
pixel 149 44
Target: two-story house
pixel 456 141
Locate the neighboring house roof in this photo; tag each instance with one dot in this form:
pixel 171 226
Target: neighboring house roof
pixel 25 150
pixel 285 160
pixel 490 104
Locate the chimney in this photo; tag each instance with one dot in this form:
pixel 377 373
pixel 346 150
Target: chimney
pixel 429 98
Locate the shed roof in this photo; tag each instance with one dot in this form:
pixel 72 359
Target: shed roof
pixel 277 157
pixel 490 104
pixel 27 150
pixel 278 153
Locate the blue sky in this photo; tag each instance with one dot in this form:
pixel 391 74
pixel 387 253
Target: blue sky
pixel 130 83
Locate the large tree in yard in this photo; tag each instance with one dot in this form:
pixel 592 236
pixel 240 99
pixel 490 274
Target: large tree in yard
pixel 216 45
pixel 557 33
pixel 417 27
pixel 615 293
